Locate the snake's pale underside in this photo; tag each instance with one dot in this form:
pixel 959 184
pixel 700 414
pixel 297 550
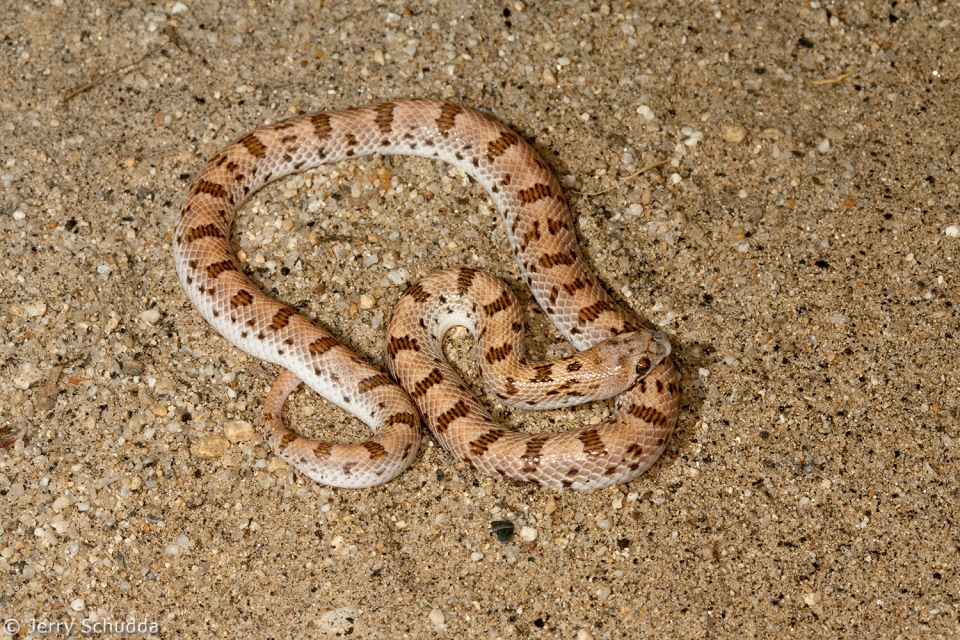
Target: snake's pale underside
pixel 618 356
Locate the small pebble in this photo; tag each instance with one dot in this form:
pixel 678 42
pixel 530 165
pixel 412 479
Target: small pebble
pixel 61 503
pixel 238 431
pixel 503 529
pixel 172 550
pixel 35 309
pixel 548 77
pixel 646 113
pixel 151 316
pixel 26 376
pixel 367 301
pixel 583 634
pixel 953 231
pixel 528 533
pixel 733 133
pixel 276 465
pixel 832 133
pixel 438 617
pixel 550 506
pixel 159 410
pixel 476 556
pixel 210 447
pixel 824 146
pixel 78 604
pixel 813 599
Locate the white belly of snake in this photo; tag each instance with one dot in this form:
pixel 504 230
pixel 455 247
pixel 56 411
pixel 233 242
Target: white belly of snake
pixel 619 356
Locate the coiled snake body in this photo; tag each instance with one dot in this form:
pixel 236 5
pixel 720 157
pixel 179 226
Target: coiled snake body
pixel 619 356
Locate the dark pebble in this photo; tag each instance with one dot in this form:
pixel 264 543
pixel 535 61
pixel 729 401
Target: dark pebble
pixel 503 529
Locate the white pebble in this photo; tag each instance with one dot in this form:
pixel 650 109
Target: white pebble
pixel 438 617
pixel 704 372
pixel 26 376
pixel 78 604
pixel 178 8
pixel 367 301
pixel 19 215
pixel 476 556
pixel 35 309
pixel 61 503
pixel 646 113
pixel 953 231
pixel 398 276
pixel 824 145
pixel 528 533
pixel 583 634
pixel 151 316
pixel 695 138
pixel 172 550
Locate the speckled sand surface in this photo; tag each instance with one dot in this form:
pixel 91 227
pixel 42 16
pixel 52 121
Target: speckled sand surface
pixel 799 247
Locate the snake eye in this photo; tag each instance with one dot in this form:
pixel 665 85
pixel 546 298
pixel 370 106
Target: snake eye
pixel 642 366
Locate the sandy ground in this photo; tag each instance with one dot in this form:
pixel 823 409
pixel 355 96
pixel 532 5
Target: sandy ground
pixel 798 246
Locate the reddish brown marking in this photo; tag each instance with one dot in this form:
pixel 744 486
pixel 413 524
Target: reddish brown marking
pixel 210 188
pixel 203 231
pixel 321 346
pixel 496 354
pixel 373 382
pixel 648 414
pixel 532 453
pixel 284 124
pixel 543 373
pixel 630 325
pixel 497 305
pixel 592 442
pixel 533 233
pixel 511 387
pixel 418 292
pixel 506 180
pixel 572 472
pixel 574 286
pixel 403 418
pixel 672 388
pixel 321 125
pixel 482 444
pixel 498 147
pixel 215 269
pixel 553 226
pixel 591 313
pixel 535 193
pixel 384 118
pixel 459 410
pixel 517 327
pixel 612 469
pixel 634 450
pixel 376 450
pixel 550 260
pixel 281 318
pixel 348 468
pixel 574 366
pixel 285 441
pixel 242 299
pixel 465 280
pixel 253 145
pixel 659 385
pixel 554 292
pixel 351 140
pixel 448 116
pixel 396 345
pixel 192 264
pixel 433 378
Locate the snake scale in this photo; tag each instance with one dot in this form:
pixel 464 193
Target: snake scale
pixel 618 356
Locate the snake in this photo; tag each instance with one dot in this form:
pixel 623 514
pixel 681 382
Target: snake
pixel 617 355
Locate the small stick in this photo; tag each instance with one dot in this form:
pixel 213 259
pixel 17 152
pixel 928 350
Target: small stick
pixel 839 78
pixel 624 181
pixel 170 32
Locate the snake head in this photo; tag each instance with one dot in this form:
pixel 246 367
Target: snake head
pixel 634 354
